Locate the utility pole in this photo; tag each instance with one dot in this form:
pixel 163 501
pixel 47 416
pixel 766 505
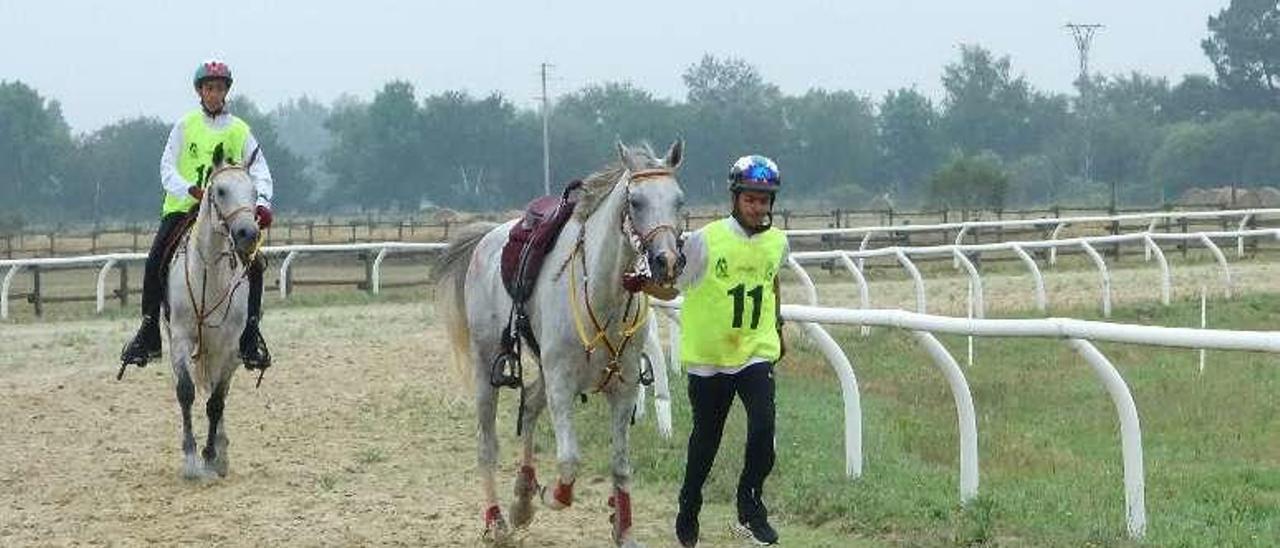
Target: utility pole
pixel 1083 35
pixel 546 145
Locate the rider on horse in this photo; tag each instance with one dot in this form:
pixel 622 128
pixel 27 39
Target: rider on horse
pixel 185 165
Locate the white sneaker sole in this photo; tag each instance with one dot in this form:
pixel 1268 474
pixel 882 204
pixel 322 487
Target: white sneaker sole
pixel 742 531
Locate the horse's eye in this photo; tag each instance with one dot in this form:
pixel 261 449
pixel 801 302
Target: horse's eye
pixel 636 203
pixel 222 192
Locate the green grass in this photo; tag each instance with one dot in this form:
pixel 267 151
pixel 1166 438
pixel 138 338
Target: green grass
pixel 1050 465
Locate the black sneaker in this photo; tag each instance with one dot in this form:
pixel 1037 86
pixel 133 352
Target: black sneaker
pixel 145 345
pixel 687 528
pixel 758 530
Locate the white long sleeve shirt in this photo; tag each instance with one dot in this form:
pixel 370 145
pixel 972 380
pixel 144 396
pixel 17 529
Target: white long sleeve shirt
pixel 175 184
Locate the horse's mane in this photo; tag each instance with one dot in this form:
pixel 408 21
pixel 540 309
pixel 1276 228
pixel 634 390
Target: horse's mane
pixel 597 185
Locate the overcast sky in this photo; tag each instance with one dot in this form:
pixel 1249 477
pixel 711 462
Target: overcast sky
pixel 108 60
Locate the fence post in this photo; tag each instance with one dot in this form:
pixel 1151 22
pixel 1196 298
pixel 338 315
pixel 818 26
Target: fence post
pixel 52 253
pixel 1182 244
pixel 368 272
pixel 124 283
pixel 1115 230
pixel 93 242
pixel 35 291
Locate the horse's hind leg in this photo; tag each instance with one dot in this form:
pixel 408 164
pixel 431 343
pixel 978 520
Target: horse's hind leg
pixel 215 449
pixel 622 404
pixel 495 527
pixel 186 389
pixel 522 508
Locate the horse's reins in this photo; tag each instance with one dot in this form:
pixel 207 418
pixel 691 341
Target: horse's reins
pixel 641 267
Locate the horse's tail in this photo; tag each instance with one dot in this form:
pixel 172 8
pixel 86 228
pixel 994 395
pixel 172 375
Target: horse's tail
pixel 449 276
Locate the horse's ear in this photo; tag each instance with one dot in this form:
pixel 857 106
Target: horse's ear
pixel 219 155
pixel 628 158
pixel 675 154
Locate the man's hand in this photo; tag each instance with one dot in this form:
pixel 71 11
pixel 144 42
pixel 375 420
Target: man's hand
pixel 264 216
pixel 196 192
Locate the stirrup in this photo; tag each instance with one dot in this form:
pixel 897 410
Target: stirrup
pixel 506 370
pixel 258 356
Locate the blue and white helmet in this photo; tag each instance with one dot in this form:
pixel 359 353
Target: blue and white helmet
pixel 754 172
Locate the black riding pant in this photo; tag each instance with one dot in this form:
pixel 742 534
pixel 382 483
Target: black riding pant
pixel 153 285
pixel 710 398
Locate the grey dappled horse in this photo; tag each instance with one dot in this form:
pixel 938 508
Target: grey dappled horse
pixel 207 298
pixel 589 327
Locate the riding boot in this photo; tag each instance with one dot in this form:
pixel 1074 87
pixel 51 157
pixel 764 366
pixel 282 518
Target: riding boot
pixel 145 345
pixel 253 348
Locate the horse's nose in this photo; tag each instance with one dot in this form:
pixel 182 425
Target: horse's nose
pixel 246 235
pixel 663 266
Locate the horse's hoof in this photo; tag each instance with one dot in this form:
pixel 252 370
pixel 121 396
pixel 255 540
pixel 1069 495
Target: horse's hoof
pixel 560 498
pixel 193 469
pixel 620 519
pixel 220 466
pixel 522 509
pixel 495 527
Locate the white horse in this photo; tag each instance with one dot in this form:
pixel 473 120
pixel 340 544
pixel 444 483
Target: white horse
pixel 207 308
pixel 590 329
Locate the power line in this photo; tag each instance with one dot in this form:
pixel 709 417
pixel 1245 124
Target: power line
pixel 1083 34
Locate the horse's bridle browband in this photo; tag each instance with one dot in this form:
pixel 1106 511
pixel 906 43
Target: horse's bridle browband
pixel 637 176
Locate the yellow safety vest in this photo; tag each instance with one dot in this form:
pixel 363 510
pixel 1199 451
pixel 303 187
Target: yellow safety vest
pixel 195 160
pixel 729 316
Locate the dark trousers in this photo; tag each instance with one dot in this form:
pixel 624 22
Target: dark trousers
pixel 153 286
pixel 710 399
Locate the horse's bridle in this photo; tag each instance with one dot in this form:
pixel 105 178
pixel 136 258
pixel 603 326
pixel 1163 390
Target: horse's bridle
pixel 226 219
pixel 640 242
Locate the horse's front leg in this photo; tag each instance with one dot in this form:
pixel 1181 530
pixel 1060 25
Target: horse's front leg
pixel 215 449
pixel 186 392
pixel 561 390
pixel 622 403
pixel 526 486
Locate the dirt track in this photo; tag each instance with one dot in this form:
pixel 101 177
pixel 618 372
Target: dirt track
pixel 355 438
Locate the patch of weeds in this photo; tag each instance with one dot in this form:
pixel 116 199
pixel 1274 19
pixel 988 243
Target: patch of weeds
pixel 371 455
pixel 975 522
pixel 327 482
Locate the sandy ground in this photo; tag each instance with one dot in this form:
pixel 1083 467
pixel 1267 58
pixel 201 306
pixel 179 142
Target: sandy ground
pixel 357 437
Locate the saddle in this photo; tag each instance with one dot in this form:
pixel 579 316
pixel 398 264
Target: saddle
pixel 531 238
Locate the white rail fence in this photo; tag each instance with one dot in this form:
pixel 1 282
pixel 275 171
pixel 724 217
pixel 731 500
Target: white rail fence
pixel 851 262
pixel 1078 334
pixel 1054 225
pixel 291 253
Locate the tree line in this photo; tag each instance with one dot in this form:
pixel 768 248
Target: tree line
pixel 992 140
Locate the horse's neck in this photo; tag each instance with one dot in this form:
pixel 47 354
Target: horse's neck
pixel 608 252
